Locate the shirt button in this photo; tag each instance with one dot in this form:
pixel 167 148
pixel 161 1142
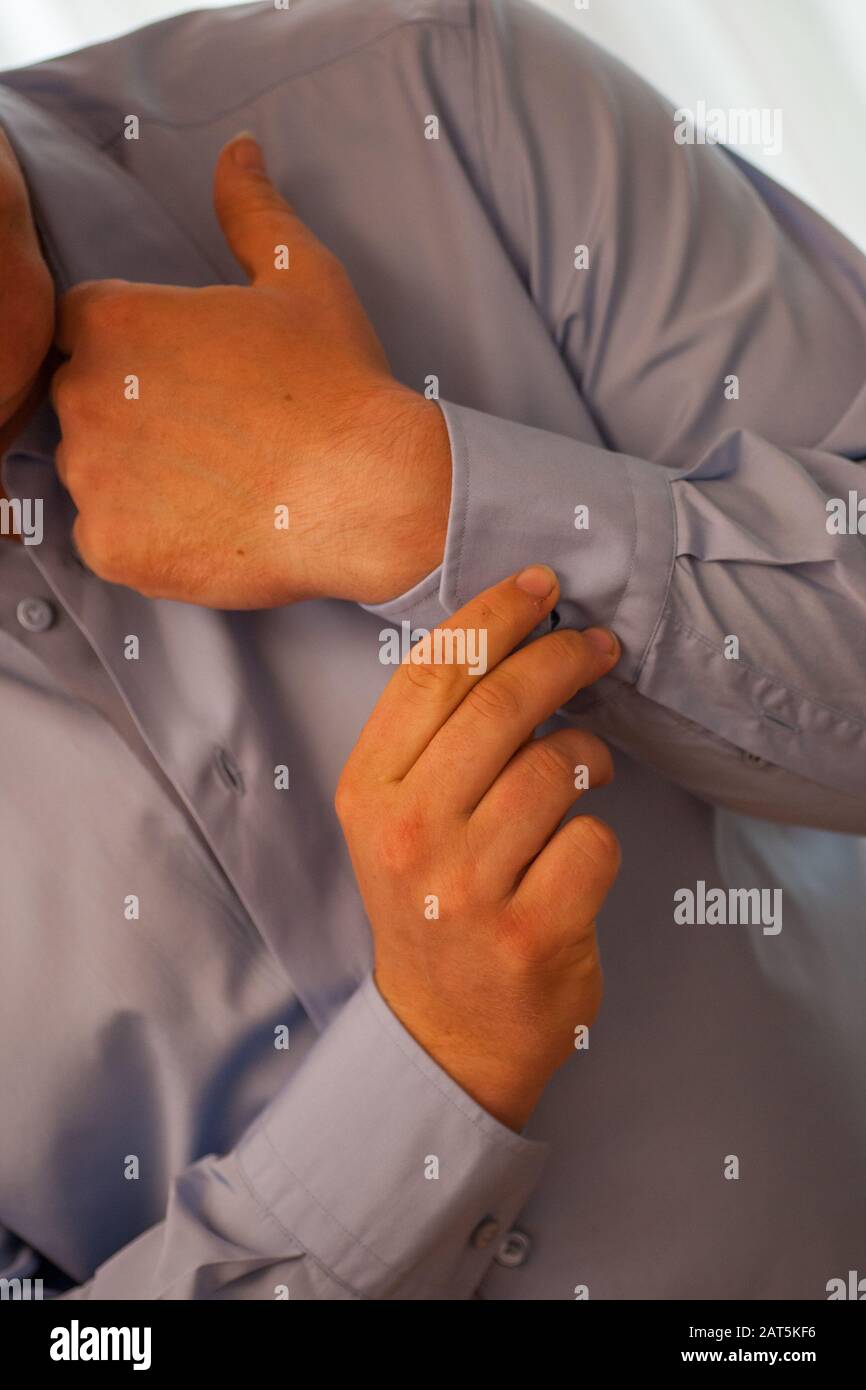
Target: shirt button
pixel 485 1233
pixel 35 614
pixel 514 1250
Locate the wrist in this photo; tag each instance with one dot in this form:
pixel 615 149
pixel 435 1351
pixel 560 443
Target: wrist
pixel 504 1083
pixel 414 450
pixel 374 524
pixel 508 1095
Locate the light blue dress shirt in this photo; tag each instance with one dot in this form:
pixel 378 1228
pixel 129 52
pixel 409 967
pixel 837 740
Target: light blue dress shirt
pixel 172 913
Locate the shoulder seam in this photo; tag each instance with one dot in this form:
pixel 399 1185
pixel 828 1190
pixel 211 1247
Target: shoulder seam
pixel 216 115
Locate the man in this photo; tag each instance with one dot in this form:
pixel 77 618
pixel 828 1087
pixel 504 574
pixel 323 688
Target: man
pixel 648 360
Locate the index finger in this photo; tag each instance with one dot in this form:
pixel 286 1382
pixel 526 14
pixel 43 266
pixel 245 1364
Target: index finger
pixel 442 668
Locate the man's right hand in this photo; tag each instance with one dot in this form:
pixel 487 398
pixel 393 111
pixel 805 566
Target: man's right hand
pixel 482 905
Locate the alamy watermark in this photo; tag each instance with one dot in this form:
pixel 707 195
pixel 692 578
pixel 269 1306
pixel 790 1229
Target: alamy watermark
pixel 444 646
pixel 77 1343
pixel 760 127
pixel 846 516
pixel 19 1290
pixel 751 907
pixel 22 517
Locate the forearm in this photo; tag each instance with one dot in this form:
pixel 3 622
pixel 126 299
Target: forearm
pixel 333 1192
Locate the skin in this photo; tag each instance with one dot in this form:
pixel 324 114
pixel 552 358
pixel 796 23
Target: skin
pixel 447 793
pixel 274 396
pixel 26 302
pixel 279 394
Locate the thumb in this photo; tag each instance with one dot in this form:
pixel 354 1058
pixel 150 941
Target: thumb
pixel 265 236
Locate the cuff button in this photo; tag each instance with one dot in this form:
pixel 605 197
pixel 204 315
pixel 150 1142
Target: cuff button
pixel 514 1250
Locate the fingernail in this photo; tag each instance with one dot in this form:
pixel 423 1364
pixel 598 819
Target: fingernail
pixel 246 152
pixel 603 640
pixel 538 580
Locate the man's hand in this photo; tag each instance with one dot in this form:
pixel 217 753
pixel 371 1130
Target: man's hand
pixel 197 422
pixel 26 298
pixel 482 910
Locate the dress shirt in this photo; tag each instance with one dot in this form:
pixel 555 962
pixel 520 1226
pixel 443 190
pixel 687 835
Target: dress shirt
pixel 173 913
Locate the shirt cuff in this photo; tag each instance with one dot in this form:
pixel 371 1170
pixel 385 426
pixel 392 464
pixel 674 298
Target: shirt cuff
pixel 603 520
pixel 383 1168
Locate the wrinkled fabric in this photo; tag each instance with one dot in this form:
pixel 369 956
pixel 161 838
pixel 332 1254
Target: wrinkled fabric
pixel 155 1142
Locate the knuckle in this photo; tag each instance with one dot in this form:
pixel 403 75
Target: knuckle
pixel 100 553
pixel 71 466
pixel 82 413
pixel 550 763
pixel 463 889
pixel 333 273
pixel 497 698
pixel 519 939
pixel 59 390
pixel 585 748
pixel 565 648
pixel 346 798
pixel 597 843
pixel 108 309
pixel 400 842
pixel 585 972
pixel 64 392
pixel 429 677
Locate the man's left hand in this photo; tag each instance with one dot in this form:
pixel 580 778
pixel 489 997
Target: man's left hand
pixel 246 447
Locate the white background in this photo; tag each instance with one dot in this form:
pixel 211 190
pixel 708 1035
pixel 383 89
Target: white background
pixel 807 57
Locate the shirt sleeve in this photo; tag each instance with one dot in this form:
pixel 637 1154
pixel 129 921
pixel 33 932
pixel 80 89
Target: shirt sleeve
pixel 371 1176
pixel 714 331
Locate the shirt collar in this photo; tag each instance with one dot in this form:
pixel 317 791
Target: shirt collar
pixel 82 197
pixel 95 221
